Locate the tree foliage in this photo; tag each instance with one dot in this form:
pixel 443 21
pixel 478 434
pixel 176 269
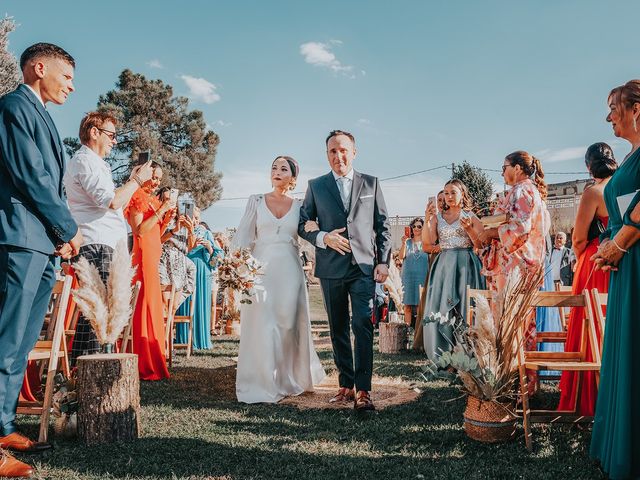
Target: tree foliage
pixel 10 76
pixel 479 184
pixel 151 118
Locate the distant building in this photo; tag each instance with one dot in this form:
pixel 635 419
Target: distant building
pixel 562 201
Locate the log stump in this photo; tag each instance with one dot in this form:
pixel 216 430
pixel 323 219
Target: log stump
pixel 392 337
pixel 108 398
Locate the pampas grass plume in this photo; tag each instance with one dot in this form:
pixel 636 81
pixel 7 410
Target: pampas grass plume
pixel 91 297
pixel 119 292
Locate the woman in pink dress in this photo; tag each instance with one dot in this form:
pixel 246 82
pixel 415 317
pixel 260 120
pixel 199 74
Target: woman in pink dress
pixel 519 244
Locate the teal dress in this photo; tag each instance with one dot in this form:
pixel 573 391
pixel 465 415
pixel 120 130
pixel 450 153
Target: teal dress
pixel 205 267
pixel 615 440
pixel 455 267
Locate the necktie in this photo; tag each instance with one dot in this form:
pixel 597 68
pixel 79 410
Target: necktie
pixel 344 191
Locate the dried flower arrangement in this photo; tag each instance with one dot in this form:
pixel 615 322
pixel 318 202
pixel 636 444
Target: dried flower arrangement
pixel 239 271
pixel 107 307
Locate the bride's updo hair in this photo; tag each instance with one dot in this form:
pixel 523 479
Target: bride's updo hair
pixel 600 160
pixel 293 166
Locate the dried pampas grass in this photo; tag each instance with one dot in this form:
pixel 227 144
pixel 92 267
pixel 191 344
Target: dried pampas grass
pixel 394 286
pixel 108 308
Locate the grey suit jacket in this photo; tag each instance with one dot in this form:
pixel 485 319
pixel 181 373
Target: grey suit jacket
pixel 33 209
pixel 366 222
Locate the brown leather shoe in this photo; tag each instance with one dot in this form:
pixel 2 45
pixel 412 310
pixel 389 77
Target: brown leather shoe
pixel 344 395
pixel 12 467
pixel 19 443
pixel 363 401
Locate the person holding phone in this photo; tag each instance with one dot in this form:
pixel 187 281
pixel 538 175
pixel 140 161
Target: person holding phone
pixel 96 206
pixel 415 266
pixel 456 231
pixel 149 218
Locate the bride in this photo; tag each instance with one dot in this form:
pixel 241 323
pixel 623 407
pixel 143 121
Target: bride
pixel 277 357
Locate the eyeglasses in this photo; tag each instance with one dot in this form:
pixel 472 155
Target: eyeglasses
pixel 111 135
pixel 504 167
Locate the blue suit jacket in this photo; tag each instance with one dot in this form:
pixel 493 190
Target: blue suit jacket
pixel 33 209
pixel 366 222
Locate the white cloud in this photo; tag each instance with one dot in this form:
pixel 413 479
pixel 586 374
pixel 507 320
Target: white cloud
pixel 562 154
pixel 155 63
pixel 320 55
pixel 363 122
pixel 222 123
pixel 201 89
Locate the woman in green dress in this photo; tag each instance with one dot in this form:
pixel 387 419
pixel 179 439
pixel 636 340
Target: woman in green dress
pixel 615 441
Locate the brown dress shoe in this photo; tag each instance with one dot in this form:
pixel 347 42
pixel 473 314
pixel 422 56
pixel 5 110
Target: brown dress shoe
pixel 363 401
pixel 344 395
pixel 13 468
pixel 19 443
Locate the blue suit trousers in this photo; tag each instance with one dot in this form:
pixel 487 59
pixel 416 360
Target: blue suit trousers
pixel 26 281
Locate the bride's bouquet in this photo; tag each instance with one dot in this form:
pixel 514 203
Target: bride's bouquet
pixel 239 271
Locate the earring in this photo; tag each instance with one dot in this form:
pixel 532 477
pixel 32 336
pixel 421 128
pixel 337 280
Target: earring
pixel 635 126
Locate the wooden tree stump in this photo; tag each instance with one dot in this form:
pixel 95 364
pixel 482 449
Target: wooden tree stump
pixel 392 337
pixel 108 398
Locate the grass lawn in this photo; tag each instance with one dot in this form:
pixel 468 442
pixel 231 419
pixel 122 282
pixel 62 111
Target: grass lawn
pixel 193 428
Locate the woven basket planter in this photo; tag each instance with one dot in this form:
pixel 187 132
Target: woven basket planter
pixel 488 422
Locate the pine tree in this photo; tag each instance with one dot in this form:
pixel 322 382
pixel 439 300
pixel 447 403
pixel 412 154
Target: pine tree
pixel 10 76
pixel 479 185
pixel 151 118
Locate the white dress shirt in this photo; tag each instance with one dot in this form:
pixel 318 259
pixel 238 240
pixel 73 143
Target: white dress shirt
pixel 348 186
pixel 90 190
pixel 36 94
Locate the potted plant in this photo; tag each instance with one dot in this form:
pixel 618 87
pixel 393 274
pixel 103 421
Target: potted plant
pixel 484 359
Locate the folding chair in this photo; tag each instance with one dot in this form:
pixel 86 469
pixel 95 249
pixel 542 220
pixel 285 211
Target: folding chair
pixel 184 320
pixel 600 301
pixel 169 293
pixel 564 312
pixel 562 361
pixel 50 350
pixel 126 338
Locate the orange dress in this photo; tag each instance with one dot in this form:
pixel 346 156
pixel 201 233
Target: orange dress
pixel 148 320
pixel 585 277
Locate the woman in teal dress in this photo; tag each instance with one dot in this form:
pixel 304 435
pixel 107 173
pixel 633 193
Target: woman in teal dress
pixel 205 254
pixel 615 440
pixel 456 230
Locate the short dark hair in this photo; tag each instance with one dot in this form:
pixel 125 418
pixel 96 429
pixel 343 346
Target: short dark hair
pixel 45 50
pixel 600 160
pixel 335 133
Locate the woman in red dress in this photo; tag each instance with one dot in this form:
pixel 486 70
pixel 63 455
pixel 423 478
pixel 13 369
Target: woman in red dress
pixel 591 220
pixel 148 219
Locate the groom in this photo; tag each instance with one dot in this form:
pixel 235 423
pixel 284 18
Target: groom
pixel 353 247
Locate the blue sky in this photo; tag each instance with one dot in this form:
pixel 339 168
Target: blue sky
pixel 420 83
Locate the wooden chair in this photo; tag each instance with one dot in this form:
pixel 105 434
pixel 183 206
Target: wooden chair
pixel 562 361
pixel 126 338
pixel 472 294
pixel 564 312
pixel 183 320
pixel 169 295
pixel 600 301
pixel 50 350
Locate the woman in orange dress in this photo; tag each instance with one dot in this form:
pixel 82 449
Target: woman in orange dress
pixel 148 219
pixel 591 220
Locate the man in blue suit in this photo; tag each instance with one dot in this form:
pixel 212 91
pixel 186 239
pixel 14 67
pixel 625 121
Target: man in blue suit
pixel 35 222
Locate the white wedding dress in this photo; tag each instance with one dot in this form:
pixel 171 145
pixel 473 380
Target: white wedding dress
pixel 277 358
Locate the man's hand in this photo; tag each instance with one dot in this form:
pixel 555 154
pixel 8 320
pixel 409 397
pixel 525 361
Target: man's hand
pixel 64 251
pixel 380 273
pixel 76 243
pixel 337 242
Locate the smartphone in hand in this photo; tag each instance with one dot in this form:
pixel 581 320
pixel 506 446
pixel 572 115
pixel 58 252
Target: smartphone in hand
pixel 434 201
pixel 407 232
pixel 173 195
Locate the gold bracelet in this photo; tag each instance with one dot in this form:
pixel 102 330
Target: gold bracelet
pixel 618 246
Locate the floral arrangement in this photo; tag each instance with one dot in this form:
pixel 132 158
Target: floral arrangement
pixel 107 307
pixel 484 357
pixel 239 271
pixel 65 406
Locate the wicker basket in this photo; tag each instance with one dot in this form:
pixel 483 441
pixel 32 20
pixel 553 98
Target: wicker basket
pixel 393 337
pixel 488 422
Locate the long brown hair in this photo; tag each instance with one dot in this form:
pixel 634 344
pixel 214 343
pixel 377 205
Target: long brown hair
pixel 532 167
pixel 467 201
